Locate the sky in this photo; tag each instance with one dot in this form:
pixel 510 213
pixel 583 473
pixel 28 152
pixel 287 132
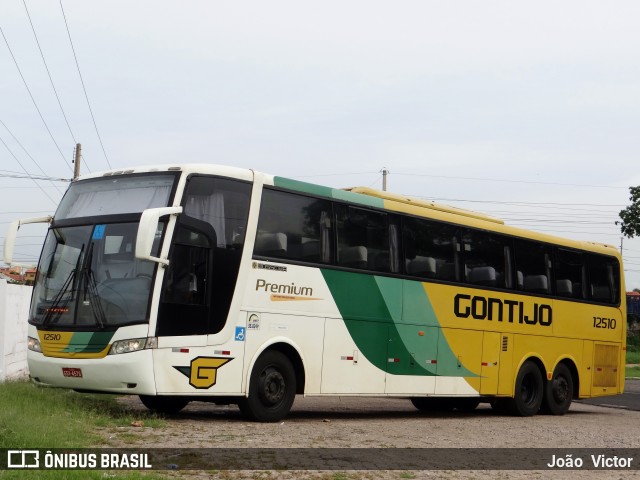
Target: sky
pixel 528 111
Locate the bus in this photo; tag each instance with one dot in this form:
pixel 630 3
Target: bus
pixel 191 282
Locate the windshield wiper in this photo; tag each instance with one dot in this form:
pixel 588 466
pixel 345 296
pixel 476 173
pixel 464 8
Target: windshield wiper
pixel 91 290
pixel 55 305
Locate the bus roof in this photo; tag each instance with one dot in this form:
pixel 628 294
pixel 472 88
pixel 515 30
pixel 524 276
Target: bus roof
pixel 409 205
pixel 424 204
pixel 368 196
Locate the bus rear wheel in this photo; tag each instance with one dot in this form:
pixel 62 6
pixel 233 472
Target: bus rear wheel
pixel 529 391
pixel 162 404
pixel 272 388
pixel 558 391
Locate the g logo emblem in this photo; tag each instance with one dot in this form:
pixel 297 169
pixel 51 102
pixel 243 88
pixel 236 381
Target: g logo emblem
pixel 202 372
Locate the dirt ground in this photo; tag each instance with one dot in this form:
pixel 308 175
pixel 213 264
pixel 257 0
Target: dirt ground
pixel 345 422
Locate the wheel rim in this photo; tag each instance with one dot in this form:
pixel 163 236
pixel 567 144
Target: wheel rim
pixel 272 386
pixel 560 389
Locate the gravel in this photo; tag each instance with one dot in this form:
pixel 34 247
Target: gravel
pixel 348 422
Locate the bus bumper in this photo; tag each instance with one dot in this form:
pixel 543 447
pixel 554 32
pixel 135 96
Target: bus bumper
pixel 130 373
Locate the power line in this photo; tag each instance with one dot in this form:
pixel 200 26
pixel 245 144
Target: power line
pixel 507 180
pixel 28 155
pixel 516 203
pixel 86 96
pixel 335 174
pixel 20 163
pixel 35 104
pixel 55 91
pixel 26 188
pixel 33 177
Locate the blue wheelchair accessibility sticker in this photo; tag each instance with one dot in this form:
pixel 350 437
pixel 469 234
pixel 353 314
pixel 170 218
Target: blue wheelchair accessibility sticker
pixel 98 232
pixel 240 334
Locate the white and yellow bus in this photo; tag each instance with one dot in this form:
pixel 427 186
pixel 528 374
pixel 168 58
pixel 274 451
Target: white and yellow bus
pixel 212 283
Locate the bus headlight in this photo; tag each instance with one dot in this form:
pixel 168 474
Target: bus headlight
pixel 128 346
pixel 33 344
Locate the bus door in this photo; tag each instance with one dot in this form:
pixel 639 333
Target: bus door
pixel 197 290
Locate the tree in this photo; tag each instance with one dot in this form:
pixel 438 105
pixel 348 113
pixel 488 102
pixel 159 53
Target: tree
pixel 630 224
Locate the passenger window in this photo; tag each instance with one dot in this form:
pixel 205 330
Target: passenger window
pixel 532 266
pixel 569 274
pixel 485 257
pixel 295 227
pixel 363 239
pixel 430 249
pixel 604 276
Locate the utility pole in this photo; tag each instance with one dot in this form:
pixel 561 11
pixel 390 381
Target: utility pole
pixel 385 172
pixel 76 162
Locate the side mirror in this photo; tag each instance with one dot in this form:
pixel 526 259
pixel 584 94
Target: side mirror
pixel 147 232
pixel 12 233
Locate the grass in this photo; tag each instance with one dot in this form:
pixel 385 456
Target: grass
pixel 633 354
pixel 632 372
pixel 32 417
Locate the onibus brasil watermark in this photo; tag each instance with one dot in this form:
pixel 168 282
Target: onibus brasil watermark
pixel 600 461
pixel 34 459
pixel 356 458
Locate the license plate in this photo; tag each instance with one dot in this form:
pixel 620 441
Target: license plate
pixel 72 372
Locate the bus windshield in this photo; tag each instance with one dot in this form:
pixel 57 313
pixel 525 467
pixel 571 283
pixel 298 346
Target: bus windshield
pixel 88 277
pixel 115 195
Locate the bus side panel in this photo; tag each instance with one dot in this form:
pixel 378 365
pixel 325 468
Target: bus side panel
pixel 458 367
pixel 506 374
pixel 548 350
pixel 586 370
pixel 606 369
pixel 200 370
pixel 345 369
pixel 490 363
pixel 303 333
pixel 411 362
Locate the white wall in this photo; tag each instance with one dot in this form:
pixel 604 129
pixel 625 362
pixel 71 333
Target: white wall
pixel 14 311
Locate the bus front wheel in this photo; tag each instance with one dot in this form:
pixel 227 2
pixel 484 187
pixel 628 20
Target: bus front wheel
pixel 162 404
pixel 529 391
pixel 558 391
pixel 272 388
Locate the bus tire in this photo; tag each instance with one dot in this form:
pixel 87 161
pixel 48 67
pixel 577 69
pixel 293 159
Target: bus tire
pixel 529 391
pixel 272 388
pixel 558 391
pixel 164 404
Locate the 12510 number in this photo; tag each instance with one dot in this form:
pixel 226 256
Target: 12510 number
pixel 599 322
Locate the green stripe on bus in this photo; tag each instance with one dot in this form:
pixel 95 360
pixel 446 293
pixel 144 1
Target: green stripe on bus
pixel 89 342
pixel 328 192
pixel 393 324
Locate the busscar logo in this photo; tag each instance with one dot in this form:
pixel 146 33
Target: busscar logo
pixel 203 371
pixel 268 266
